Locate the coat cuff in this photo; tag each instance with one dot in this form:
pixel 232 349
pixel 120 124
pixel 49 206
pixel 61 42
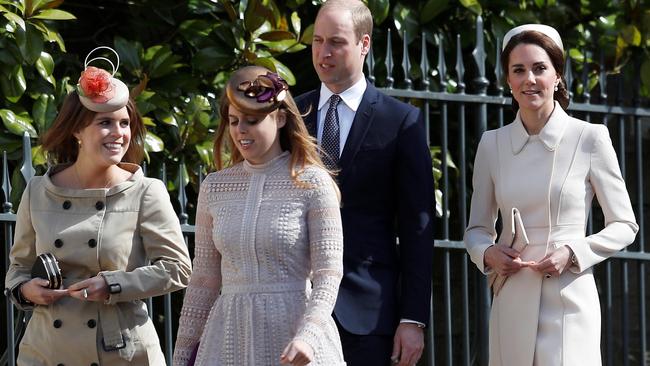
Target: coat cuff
pixel 113 280
pixel 16 297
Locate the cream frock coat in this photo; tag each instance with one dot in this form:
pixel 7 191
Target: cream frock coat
pixel 131 235
pixel 551 178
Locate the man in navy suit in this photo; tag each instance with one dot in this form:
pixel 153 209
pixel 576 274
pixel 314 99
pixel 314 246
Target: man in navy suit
pixel 386 184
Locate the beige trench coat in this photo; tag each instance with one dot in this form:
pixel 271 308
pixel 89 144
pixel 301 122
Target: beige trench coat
pixel 131 235
pixel 551 178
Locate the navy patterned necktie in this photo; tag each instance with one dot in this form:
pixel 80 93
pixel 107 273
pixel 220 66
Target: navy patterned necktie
pixel 330 141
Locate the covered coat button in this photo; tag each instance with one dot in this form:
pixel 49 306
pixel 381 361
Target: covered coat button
pixel 92 243
pixel 99 205
pixel 58 243
pixel 60 364
pixel 67 204
pixel 58 323
pixel 91 323
pixel 94 364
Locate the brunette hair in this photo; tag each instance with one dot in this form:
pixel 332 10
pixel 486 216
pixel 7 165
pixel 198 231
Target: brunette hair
pixel 554 52
pixel 361 15
pixel 294 138
pixel 61 145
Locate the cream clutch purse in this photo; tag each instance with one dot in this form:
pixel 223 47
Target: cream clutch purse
pixel 519 242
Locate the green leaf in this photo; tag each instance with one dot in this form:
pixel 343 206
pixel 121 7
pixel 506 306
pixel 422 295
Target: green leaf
pixel 130 53
pixel 631 35
pixel 54 14
pixel 308 35
pixel 166 118
pixel 406 21
pixel 255 15
pixel 38 156
pixel 12 83
pixel 295 22
pixel 281 46
pixel 44 111
pixel 211 58
pixel 204 150
pixel 56 37
pixel 273 64
pixel 45 67
pixel 577 55
pixel 472 5
pixel 277 36
pixel 148 121
pixel 162 62
pixel 153 143
pixel 30 42
pixel 379 10
pixel 15 19
pixel 431 9
pixel 17 124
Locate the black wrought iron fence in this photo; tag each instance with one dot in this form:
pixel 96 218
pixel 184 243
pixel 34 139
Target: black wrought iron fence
pixel 455 120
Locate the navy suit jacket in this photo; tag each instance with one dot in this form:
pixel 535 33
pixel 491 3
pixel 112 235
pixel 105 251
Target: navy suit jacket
pixel 387 192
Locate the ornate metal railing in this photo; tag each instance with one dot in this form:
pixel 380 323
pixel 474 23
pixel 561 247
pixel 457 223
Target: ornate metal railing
pixel 455 119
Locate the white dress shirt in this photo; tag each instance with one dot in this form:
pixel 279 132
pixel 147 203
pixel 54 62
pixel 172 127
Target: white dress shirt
pixel 351 99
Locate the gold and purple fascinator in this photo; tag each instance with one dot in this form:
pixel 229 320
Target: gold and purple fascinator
pixel 99 90
pixel 256 90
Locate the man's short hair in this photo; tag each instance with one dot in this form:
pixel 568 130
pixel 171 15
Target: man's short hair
pixel 361 16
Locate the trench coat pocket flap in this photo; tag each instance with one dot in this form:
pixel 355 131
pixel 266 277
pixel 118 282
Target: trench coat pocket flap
pixel 518 243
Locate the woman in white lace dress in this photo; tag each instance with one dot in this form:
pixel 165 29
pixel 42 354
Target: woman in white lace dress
pixel 269 244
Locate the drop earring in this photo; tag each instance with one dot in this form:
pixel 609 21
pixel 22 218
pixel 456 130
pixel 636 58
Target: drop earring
pixel 556 87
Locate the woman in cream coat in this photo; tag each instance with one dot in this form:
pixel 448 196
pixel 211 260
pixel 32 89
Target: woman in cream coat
pixel 113 231
pixel 549 166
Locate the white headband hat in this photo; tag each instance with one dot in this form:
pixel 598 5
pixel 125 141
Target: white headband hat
pixel 99 90
pixel 548 31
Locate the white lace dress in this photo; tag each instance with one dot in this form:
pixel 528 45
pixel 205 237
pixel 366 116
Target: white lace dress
pixel 259 241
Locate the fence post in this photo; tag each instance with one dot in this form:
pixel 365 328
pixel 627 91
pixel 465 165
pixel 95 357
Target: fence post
pixel 482 84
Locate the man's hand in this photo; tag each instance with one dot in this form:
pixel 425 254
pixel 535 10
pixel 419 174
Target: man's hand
pixel 408 345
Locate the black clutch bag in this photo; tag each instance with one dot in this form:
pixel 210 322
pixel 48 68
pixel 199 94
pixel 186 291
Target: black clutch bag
pixel 47 267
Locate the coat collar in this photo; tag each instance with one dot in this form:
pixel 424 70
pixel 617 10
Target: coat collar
pixel 137 176
pixel 550 135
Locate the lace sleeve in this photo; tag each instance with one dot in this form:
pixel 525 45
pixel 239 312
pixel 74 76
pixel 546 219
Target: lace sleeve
pixel 326 252
pixel 204 285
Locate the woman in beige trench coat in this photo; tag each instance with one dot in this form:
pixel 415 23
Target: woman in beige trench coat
pixel 113 231
pixel 549 166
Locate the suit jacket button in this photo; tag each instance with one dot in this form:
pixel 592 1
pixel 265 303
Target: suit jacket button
pixel 91 323
pixel 67 204
pixel 99 205
pixel 92 243
pixel 58 323
pixel 58 243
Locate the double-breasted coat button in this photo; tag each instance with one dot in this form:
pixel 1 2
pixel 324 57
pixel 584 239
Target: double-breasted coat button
pixel 67 204
pixel 58 243
pixel 91 323
pixel 99 205
pixel 92 243
pixel 57 323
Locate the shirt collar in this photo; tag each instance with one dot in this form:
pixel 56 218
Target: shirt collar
pixel 550 135
pixel 352 96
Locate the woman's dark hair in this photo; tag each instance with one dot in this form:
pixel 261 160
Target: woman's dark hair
pixel 62 146
pixel 554 52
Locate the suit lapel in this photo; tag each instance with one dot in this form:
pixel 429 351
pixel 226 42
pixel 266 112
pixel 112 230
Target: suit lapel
pixel 362 121
pixel 311 119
